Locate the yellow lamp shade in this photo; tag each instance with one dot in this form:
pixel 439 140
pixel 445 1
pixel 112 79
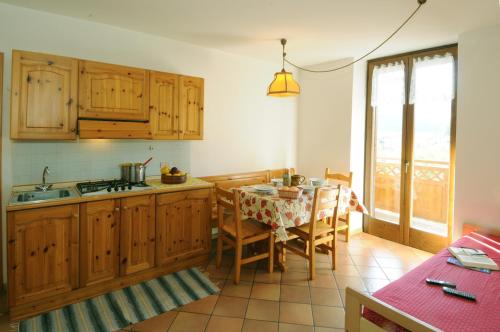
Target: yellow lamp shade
pixel 283 85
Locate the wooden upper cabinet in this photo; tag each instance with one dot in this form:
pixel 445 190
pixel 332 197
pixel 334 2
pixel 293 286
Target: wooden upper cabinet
pixel 43 253
pixel 112 92
pixel 164 105
pixel 44 96
pixel 100 236
pixel 191 92
pixel 182 225
pixel 137 234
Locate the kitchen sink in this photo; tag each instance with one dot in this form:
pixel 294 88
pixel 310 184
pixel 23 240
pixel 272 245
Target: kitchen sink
pixel 38 195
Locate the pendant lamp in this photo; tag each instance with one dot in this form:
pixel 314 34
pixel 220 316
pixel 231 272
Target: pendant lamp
pixel 283 84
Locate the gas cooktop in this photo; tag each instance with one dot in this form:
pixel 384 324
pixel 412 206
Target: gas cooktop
pixel 109 186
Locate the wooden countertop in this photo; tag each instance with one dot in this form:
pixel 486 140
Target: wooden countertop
pixel 156 188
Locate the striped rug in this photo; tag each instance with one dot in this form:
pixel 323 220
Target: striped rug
pixel 118 309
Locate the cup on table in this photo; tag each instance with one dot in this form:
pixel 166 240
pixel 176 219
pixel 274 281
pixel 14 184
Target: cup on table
pixel 317 182
pixel 277 182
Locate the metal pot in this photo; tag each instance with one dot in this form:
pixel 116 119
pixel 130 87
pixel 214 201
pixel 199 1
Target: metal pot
pixel 139 173
pixel 127 172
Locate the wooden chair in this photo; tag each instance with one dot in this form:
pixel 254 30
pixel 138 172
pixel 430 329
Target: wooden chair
pixel 317 233
pixel 237 233
pixel 344 179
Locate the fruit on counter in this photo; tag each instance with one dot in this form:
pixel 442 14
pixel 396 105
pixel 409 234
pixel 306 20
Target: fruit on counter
pixel 165 170
pixel 174 171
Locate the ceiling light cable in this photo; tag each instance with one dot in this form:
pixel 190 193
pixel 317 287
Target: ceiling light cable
pixel 420 4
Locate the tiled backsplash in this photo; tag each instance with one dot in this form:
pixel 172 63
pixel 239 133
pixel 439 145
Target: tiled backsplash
pixel 91 159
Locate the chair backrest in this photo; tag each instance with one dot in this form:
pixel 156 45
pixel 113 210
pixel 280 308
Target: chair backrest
pixel 325 198
pixel 230 200
pixel 339 177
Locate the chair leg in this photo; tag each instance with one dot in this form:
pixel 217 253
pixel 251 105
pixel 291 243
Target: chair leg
pixel 312 260
pixel 237 262
pixel 220 244
pixel 333 245
pixel 271 253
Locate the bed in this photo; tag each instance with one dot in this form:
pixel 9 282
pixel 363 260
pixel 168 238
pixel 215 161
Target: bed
pixel 410 304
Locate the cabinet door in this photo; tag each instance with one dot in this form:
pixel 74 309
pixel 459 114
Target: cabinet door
pixel 42 252
pixel 137 234
pixel 191 107
pixel 99 237
pixel 113 92
pixel 44 95
pixel 182 225
pixel 164 105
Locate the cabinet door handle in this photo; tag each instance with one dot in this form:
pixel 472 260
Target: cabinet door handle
pixel 125 207
pixel 117 209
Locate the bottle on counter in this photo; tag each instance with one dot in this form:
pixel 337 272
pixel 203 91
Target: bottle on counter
pixel 287 178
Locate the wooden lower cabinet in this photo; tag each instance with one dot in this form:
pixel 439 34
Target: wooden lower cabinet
pixel 42 253
pixel 137 234
pixel 99 241
pixel 61 255
pixel 183 225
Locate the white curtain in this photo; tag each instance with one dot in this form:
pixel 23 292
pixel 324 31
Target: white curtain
pixel 432 79
pixel 388 84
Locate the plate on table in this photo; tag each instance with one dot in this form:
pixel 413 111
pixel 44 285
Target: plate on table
pixel 263 188
pixel 307 188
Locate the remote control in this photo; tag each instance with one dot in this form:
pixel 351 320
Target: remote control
pixel 440 283
pixel 465 295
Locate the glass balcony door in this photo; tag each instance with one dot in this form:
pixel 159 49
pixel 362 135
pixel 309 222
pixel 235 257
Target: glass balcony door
pixel 410 148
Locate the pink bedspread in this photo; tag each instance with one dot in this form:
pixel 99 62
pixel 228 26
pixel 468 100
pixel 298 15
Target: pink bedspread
pixel 428 303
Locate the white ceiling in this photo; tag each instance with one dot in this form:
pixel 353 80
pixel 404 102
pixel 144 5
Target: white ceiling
pixel 317 30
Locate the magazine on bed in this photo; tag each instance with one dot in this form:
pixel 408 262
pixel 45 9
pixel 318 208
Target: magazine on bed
pixel 471 257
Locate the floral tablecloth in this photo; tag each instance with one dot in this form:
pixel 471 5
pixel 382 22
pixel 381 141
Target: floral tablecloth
pixel 282 213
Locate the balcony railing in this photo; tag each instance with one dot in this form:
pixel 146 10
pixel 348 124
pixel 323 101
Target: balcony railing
pixel 430 188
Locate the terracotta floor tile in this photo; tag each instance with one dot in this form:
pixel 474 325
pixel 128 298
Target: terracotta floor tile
pixel 394 273
pixel 284 327
pixel 391 262
pixel 344 260
pixel 203 306
pixel 328 316
pixel 251 325
pixel 323 258
pixel 353 282
pixel 374 285
pixel 346 270
pixel 226 324
pixel 296 313
pixel 218 273
pixel 327 329
pixel 246 274
pixel 243 289
pixel 263 310
pixel 360 260
pixel 294 278
pixel 297 294
pixel 159 323
pixel 322 296
pixel 371 272
pixel 263 291
pixel 266 277
pixel 323 281
pixel 231 306
pixel 186 321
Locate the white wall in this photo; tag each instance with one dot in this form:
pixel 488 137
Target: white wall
pixel 244 129
pixel 477 190
pixel 332 124
pixel 325 106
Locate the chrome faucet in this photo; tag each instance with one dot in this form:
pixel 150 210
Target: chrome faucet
pixel 44 186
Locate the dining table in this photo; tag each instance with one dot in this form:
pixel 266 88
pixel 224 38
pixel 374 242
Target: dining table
pixel 281 213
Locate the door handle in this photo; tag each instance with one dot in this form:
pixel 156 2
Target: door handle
pixel 407 164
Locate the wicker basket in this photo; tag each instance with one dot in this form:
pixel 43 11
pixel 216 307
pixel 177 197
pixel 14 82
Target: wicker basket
pixel 170 179
pixel 287 194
